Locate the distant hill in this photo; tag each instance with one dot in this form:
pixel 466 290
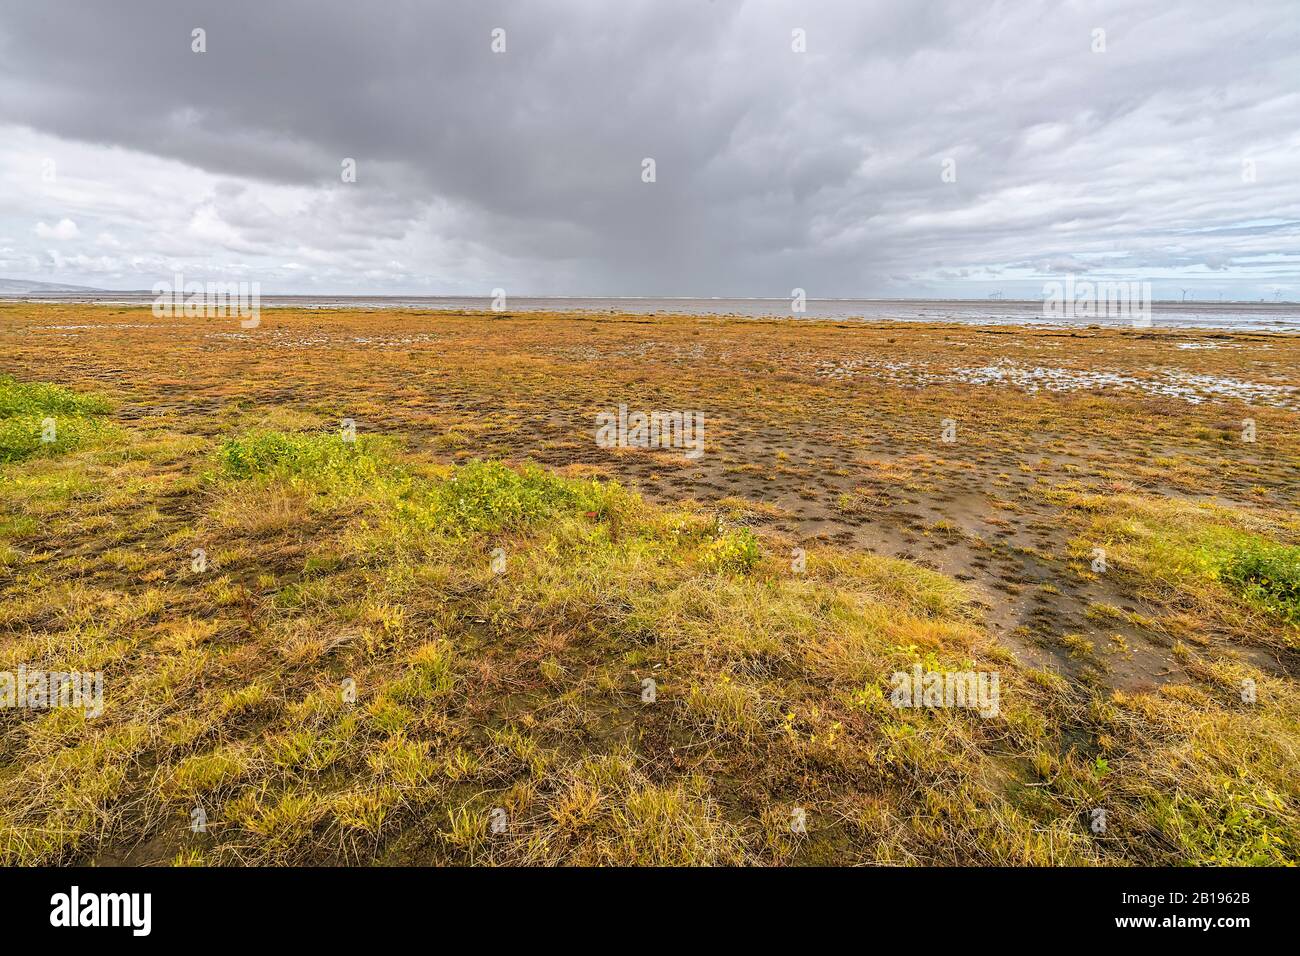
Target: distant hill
pixel 26 286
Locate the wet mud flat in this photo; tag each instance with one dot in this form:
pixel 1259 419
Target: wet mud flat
pixel 817 431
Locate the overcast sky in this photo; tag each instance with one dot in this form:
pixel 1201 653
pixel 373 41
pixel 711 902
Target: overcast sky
pixel 1173 156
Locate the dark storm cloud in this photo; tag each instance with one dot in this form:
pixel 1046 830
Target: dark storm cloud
pixel 775 169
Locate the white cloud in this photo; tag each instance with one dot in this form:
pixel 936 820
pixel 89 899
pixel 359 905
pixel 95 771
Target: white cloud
pixel 64 229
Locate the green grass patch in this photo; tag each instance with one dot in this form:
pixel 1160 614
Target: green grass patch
pixel 321 458
pixel 488 496
pixel 38 419
pixel 41 398
pixel 1224 560
pixel 29 436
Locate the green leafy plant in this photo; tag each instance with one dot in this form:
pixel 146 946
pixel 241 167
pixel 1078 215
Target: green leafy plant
pixel 1266 574
pixel 735 551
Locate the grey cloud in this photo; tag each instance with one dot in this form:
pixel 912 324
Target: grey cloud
pixel 775 169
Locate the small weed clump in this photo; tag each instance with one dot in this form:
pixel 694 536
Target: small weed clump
pixel 733 552
pixel 1267 574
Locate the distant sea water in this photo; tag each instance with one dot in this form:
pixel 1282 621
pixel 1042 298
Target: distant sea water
pixel 1238 316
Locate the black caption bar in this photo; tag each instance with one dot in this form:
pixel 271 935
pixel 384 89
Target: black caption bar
pixel 334 906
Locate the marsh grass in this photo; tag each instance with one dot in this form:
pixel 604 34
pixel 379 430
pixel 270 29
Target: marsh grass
pixel 521 691
pixel 1235 568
